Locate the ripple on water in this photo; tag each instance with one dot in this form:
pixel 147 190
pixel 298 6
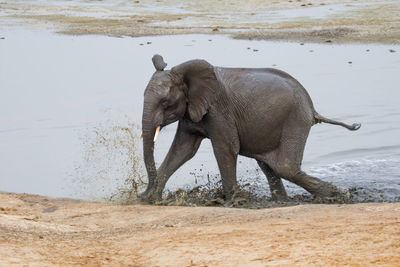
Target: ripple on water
pixel 367 179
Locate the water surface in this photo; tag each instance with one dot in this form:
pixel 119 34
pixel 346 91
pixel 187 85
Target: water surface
pixel 57 88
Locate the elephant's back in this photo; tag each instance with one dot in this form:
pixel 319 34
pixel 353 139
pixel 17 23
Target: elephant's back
pixel 260 84
pixel 264 99
pixel 264 79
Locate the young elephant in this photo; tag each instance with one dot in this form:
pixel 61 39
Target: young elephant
pixel 264 114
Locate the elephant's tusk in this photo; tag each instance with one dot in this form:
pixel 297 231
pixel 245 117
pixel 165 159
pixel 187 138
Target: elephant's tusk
pixel 156 134
pixel 141 135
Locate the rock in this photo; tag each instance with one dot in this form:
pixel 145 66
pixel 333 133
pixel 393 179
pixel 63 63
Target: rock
pixel 50 209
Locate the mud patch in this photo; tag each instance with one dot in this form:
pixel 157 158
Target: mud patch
pixel 322 35
pixel 248 194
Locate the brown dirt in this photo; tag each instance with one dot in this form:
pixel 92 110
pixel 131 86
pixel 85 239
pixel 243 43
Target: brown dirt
pixel 41 231
pixel 365 21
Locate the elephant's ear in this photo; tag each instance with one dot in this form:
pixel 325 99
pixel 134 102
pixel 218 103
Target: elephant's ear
pixel 158 62
pixel 202 86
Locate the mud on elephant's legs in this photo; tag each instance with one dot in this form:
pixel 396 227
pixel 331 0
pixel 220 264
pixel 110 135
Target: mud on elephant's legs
pixel 278 192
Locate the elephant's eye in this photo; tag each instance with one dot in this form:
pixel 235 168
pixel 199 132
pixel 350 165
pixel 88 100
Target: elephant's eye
pixel 164 103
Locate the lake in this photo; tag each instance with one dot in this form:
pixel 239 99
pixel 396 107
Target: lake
pixel 58 90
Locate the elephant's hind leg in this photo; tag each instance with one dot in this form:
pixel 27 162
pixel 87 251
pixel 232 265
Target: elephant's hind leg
pixel 286 160
pixel 314 185
pixel 278 191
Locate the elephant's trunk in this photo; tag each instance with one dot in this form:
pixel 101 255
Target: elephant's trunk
pixel 148 155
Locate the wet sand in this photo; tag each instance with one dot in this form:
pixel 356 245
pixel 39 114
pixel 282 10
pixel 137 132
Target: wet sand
pixel 36 230
pixel 339 21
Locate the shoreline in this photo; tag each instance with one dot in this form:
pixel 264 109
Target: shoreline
pixel 317 21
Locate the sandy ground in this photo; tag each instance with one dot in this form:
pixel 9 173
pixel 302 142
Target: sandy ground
pixel 339 21
pixel 41 231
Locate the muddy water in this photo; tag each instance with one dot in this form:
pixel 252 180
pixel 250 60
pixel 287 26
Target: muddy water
pixel 57 90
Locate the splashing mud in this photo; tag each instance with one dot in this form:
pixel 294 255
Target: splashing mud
pixel 111 161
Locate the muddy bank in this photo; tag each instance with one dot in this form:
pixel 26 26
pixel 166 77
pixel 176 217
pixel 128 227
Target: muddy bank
pixel 45 231
pixel 341 21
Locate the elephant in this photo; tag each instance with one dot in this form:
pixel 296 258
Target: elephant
pixel 261 113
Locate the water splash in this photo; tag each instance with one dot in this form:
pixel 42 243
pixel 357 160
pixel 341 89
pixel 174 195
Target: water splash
pixel 111 168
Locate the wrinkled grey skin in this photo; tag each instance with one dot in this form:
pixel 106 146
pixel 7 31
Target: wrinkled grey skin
pixel 263 114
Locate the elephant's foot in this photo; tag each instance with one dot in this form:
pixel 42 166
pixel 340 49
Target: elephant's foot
pixel 279 196
pixel 278 192
pixel 151 196
pixel 327 192
pixel 319 189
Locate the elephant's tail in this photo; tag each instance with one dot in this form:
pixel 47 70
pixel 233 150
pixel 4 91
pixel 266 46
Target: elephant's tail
pixel 319 119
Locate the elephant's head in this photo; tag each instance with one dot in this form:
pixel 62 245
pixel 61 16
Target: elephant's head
pixel 185 91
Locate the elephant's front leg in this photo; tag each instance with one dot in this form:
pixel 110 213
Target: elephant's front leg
pixel 183 148
pixel 226 155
